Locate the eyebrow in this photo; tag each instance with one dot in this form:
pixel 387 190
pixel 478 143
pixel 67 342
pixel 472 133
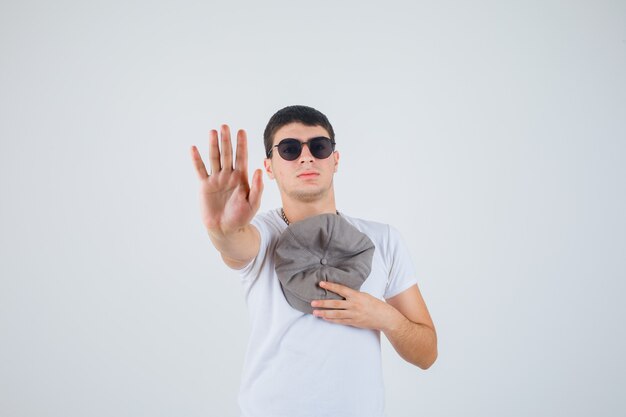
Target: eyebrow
pixel 313 137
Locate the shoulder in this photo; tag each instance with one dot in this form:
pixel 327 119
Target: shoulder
pixel 384 235
pixel 369 227
pixel 269 222
pixel 269 225
pixel 267 217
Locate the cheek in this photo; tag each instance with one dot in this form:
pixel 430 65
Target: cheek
pixel 279 174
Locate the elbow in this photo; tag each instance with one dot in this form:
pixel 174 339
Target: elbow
pixel 429 361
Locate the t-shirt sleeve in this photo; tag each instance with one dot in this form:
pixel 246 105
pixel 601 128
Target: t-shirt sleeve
pixel 253 269
pixel 402 273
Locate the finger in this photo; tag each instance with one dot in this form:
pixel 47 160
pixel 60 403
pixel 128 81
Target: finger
pixel 256 190
pixel 336 304
pixel 197 162
pixel 332 314
pixel 241 158
pixel 337 288
pixel 343 322
pixel 227 149
pixel 214 152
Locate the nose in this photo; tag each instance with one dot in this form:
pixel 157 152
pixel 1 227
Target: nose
pixel 306 156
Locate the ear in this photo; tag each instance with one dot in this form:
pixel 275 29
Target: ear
pixel 267 163
pixel 336 156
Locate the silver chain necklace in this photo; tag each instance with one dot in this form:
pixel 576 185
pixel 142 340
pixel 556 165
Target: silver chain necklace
pixel 282 213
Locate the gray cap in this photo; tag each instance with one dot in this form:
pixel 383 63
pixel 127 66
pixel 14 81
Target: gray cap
pixel 321 248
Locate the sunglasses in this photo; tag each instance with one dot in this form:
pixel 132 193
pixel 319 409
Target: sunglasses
pixel 290 149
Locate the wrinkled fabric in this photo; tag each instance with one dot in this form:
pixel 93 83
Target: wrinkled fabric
pixel 321 248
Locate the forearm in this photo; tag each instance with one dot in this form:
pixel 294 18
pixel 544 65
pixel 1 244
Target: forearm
pixel 416 343
pixel 240 246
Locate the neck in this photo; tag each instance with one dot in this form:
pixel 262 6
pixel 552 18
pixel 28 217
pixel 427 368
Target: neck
pixel 297 210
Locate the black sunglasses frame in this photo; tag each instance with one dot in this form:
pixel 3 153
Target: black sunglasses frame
pixel 301 145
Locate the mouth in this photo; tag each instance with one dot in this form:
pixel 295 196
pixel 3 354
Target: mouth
pixel 309 175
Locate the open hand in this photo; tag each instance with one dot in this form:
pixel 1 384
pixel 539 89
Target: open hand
pixel 228 202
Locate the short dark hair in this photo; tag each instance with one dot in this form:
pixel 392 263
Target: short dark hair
pixel 303 114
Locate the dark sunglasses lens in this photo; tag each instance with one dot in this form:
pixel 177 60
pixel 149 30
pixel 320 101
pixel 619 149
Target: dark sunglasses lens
pixel 289 149
pixel 321 148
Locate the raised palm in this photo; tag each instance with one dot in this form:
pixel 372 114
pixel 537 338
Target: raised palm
pixel 227 201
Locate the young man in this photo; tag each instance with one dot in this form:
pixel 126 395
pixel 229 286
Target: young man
pixel 297 364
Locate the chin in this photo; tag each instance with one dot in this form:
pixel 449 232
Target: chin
pixel 307 196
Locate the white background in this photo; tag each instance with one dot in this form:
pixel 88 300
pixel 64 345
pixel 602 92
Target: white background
pixel 490 133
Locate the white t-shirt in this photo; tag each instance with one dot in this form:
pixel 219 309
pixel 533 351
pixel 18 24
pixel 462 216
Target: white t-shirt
pixel 299 365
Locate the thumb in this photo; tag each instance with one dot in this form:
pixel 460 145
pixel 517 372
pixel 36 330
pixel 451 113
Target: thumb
pixel 257 189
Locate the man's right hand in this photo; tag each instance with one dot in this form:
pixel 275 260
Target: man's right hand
pixel 228 202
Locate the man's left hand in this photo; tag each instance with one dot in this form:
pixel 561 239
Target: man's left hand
pixel 359 309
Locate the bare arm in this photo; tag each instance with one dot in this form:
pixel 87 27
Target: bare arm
pixel 411 330
pixel 227 201
pixel 238 248
pixel 403 318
